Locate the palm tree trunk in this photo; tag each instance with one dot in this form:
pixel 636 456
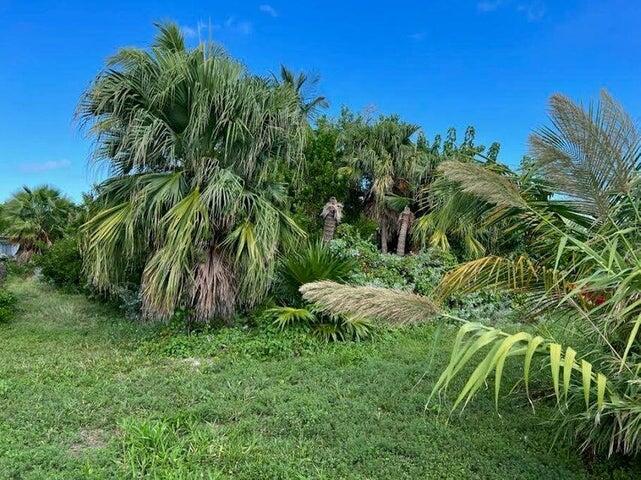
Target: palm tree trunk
pixel 402 235
pixel 384 238
pixel 329 227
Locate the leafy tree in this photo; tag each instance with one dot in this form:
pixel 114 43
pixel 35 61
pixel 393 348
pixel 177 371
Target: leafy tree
pixel 319 178
pixel 35 218
pixel 195 144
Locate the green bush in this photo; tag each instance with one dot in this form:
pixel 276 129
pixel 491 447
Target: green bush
pixel 312 263
pixel 62 264
pixel 7 305
pixel 417 273
pixel 22 269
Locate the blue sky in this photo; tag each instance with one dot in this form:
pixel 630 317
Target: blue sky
pixel 489 63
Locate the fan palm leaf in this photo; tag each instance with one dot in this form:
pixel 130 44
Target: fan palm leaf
pixel 193 143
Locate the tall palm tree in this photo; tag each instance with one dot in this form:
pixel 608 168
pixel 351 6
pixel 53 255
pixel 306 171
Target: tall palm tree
pixel 194 143
pixel 384 160
pixel 303 86
pixel 405 220
pixel 35 218
pixel 583 266
pixel 331 214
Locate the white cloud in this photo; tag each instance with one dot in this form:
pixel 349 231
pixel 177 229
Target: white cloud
pixel 40 167
pixel 188 32
pixel 241 27
pixel 231 25
pixel 533 10
pixel 489 5
pixel 418 36
pixel 268 9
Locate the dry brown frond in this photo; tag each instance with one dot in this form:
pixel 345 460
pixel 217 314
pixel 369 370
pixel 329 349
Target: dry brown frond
pixel 214 290
pixel 392 306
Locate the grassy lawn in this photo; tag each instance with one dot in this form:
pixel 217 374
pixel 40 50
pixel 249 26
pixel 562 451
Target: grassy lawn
pixel 86 394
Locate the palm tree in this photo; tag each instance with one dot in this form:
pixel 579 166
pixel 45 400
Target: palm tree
pixel 449 218
pixel 194 144
pixel 35 218
pixel 384 160
pixel 582 266
pixel 405 220
pixel 331 214
pixel 303 87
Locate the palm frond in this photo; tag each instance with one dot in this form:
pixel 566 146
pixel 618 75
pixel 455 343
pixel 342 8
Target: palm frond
pixel 498 346
pixel 590 155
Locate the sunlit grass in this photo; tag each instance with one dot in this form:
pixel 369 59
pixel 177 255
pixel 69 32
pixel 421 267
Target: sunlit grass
pixel 87 394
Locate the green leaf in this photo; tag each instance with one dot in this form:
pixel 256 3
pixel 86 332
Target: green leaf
pixel 600 389
pixel 568 365
pixel 499 359
pixel 631 338
pixel 559 253
pixel 531 349
pixel 586 374
pixel 555 366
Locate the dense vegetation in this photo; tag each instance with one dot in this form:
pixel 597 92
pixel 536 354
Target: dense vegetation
pixel 242 226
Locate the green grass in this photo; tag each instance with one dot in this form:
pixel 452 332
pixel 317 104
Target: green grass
pixel 85 394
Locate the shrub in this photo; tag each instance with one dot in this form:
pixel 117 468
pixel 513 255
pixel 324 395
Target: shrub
pixel 313 263
pixel 62 264
pixel 417 273
pixel 7 305
pixel 22 269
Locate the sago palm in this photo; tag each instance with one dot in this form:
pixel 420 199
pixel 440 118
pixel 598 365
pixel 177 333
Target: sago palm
pixel 311 263
pixel 193 143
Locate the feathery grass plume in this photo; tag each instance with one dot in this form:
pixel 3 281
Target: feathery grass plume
pixel 392 306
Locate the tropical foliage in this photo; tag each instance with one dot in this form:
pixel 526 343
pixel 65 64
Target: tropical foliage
pixel 194 144
pixel 61 264
pixel 312 263
pixel 383 159
pixel 583 266
pixel 228 199
pixel 35 218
